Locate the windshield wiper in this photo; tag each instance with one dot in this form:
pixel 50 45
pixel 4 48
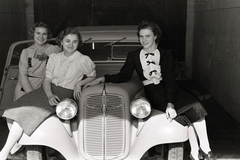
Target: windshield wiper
pixel 112 43
pixel 89 39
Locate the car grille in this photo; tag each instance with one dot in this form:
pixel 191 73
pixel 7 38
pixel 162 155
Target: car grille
pixel 104 128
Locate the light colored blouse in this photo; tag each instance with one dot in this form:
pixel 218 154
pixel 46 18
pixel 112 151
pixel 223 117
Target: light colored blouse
pixel 33 60
pixel 32 64
pixel 150 65
pixel 67 71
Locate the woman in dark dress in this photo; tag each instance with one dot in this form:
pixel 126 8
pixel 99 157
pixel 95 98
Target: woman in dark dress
pixel 155 68
pixel 63 79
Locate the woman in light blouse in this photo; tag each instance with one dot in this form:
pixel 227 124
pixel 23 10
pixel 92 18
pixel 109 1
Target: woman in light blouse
pixel 64 79
pixel 33 60
pixel 155 68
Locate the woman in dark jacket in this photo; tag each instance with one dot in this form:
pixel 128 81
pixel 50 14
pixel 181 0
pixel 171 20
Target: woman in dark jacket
pixel 155 68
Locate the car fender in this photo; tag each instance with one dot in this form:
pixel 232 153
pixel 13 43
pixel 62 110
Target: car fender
pixel 53 134
pixel 154 131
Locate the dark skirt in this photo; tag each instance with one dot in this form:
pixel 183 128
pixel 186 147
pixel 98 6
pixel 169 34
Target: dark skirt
pixel 30 110
pixel 187 105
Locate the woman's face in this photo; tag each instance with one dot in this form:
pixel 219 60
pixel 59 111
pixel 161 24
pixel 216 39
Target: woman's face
pixel 147 39
pixel 70 43
pixel 40 35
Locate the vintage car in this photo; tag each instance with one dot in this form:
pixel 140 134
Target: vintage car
pixel 111 121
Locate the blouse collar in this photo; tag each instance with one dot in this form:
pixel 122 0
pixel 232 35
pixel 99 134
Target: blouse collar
pixel 153 56
pixel 70 58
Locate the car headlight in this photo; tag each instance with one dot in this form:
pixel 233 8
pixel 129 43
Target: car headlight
pixel 66 109
pixel 140 108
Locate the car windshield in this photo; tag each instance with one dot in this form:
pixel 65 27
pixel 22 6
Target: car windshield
pixel 98 51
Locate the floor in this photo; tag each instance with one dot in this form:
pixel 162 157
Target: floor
pixel 224 132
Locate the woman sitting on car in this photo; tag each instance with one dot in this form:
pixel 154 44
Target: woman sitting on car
pixel 155 68
pixel 64 79
pixel 33 60
pixel 32 63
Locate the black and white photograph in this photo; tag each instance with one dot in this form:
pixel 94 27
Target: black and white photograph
pixel 119 80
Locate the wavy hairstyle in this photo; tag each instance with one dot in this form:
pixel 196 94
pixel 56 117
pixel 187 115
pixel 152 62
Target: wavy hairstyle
pixel 66 32
pixel 42 25
pixel 152 26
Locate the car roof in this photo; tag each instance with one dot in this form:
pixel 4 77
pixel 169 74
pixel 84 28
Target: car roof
pixel 108 33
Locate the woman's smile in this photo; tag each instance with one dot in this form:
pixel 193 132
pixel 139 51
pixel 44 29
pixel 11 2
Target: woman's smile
pixel 147 39
pixel 70 43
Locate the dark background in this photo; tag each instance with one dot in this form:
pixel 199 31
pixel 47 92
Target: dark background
pixel 211 53
pixel 169 15
pixel 16 16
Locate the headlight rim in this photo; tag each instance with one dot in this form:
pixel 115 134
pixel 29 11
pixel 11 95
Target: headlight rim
pixel 143 99
pixel 72 103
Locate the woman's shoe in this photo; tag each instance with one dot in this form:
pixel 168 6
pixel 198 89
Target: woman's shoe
pixel 191 157
pixel 208 156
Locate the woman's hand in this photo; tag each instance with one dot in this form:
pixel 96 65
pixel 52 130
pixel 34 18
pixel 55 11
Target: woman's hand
pixel 95 82
pixel 170 111
pixel 53 100
pixel 77 92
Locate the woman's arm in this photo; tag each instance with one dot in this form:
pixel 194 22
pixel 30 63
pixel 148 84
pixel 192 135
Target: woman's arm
pixel 52 99
pixel 170 84
pixel 82 84
pixel 168 75
pixel 23 72
pixel 124 75
pixel 126 71
pixel 27 87
pixel 85 81
pixel 170 111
